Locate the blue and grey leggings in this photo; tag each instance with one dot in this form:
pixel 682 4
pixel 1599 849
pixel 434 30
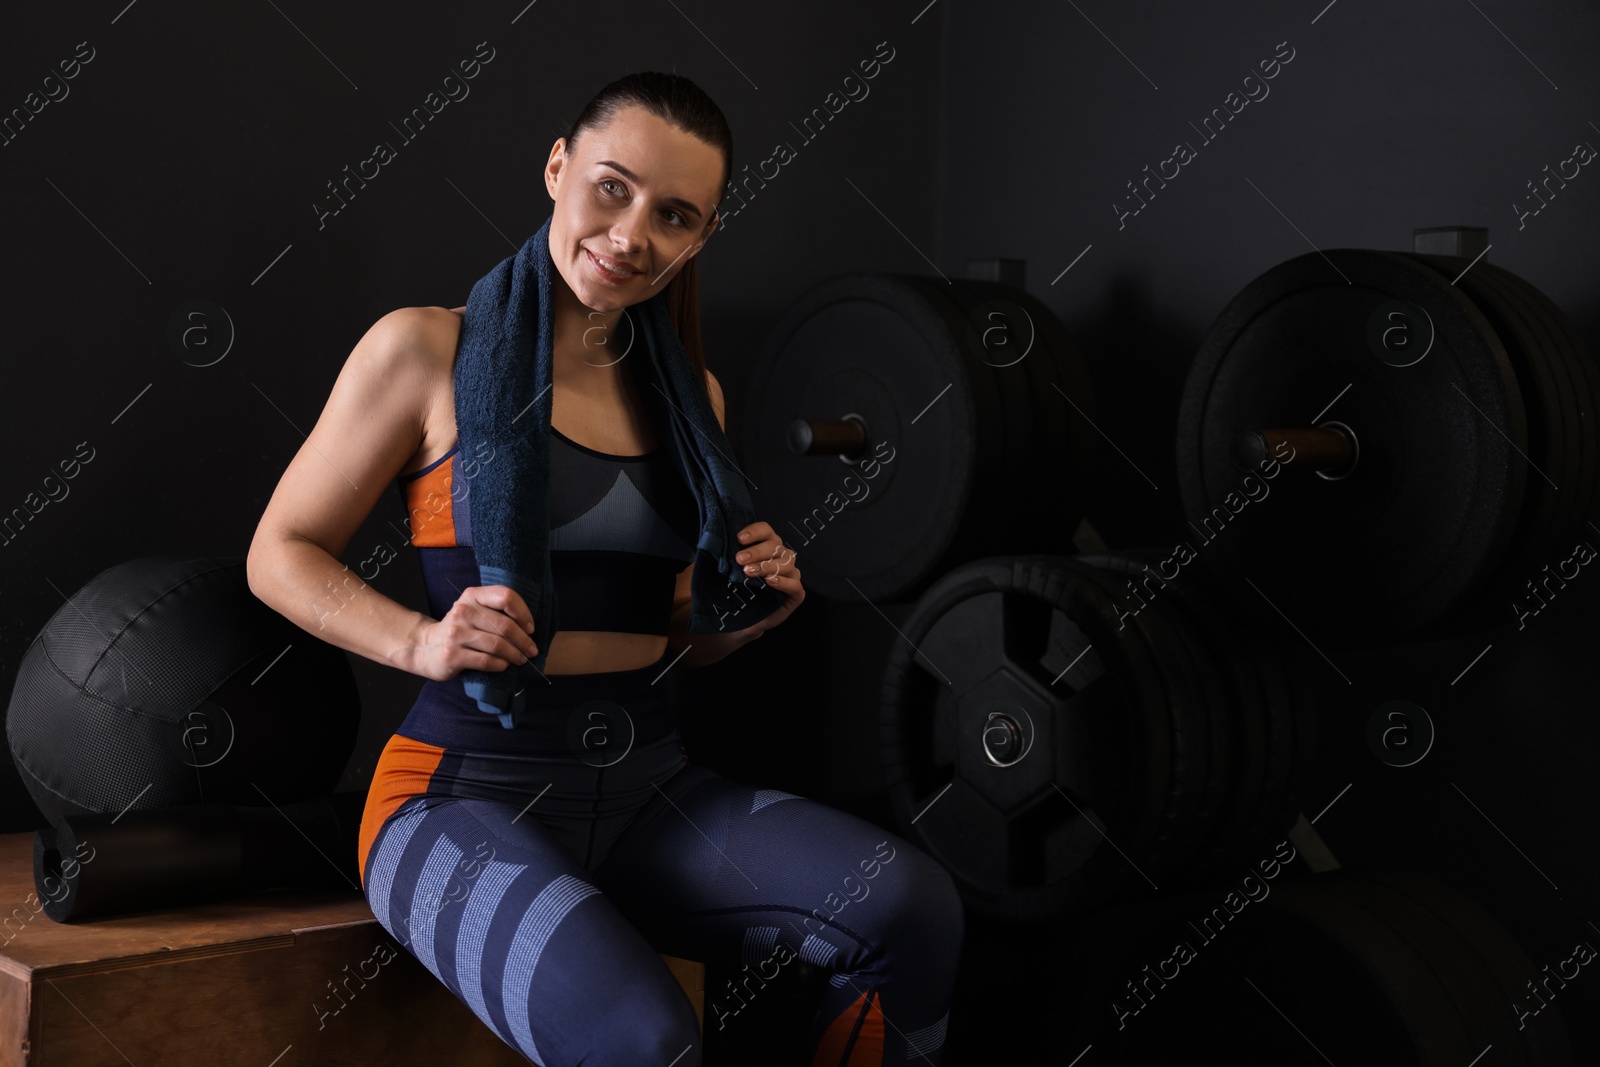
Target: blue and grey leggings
pixel 543 889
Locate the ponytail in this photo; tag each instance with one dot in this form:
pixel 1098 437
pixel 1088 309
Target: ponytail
pixel 682 296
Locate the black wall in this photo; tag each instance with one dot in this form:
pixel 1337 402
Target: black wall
pixel 1388 118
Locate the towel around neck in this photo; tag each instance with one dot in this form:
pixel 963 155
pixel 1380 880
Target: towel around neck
pixel 503 398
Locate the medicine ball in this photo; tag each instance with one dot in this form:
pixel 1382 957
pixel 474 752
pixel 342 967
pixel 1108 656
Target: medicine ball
pixel 165 682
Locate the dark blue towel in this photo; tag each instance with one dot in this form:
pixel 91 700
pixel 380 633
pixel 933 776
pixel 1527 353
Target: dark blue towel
pixel 503 380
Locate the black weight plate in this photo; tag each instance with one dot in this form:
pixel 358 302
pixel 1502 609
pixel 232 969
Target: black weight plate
pixel 1566 348
pixel 1241 711
pixel 1555 443
pixel 1289 750
pixel 1437 491
pixel 1019 339
pixel 1265 988
pixel 1555 540
pixel 1292 700
pixel 1019 336
pixel 1571 345
pixel 1586 373
pixel 1581 359
pixel 876 346
pixel 1563 345
pixel 1287 746
pixel 1177 642
pixel 1547 398
pixel 1175 712
pixel 1281 670
pixel 1409 980
pixel 1283 711
pixel 1107 737
pixel 1534 550
pixel 1030 520
pixel 1543 1039
pixel 1479 1010
pixel 1190 746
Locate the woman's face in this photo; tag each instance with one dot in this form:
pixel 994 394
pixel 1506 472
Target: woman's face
pixel 634 197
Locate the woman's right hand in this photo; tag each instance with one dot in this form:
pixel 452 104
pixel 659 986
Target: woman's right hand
pixel 488 628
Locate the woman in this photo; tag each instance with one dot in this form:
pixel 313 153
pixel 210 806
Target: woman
pixel 539 871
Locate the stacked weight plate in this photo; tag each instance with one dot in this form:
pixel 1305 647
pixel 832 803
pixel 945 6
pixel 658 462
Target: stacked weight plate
pixel 1056 743
pixel 1477 450
pixel 1263 733
pixel 1368 966
pixel 1562 397
pixel 966 391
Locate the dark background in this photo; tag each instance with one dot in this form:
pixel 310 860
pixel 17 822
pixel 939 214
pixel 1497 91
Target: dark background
pixel 192 147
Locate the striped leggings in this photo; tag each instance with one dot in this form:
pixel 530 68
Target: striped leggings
pixel 542 893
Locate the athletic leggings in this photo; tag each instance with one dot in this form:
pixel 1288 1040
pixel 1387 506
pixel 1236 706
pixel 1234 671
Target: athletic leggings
pixel 541 880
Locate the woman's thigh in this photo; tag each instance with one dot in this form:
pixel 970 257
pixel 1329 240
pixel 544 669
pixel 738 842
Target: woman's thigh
pixel 712 845
pixel 765 877
pixel 492 904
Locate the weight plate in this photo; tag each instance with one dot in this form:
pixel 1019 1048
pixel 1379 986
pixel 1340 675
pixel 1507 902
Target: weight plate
pixel 1197 690
pixel 1235 839
pixel 1299 697
pixel 1570 346
pixel 1572 505
pixel 1400 544
pixel 1555 438
pixel 1019 337
pixel 1479 1010
pixel 1020 435
pixel 1067 826
pixel 1409 981
pixel 1543 1039
pixel 1175 711
pixel 1340 967
pixel 1561 345
pixel 1293 987
pixel 1580 359
pixel 955 442
pixel 872 346
pixel 1586 374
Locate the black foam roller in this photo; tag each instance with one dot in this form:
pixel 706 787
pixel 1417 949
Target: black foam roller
pixel 93 865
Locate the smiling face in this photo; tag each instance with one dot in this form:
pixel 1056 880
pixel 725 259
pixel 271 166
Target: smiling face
pixel 633 203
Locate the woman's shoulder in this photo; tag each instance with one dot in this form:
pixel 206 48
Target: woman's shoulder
pixel 424 340
pixel 427 334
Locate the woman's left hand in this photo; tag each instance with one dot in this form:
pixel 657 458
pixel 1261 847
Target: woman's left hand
pixel 765 556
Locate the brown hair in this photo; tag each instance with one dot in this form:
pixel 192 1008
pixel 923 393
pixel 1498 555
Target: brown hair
pixel 680 102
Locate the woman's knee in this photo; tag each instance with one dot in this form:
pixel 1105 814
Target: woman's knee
pixel 921 904
pixel 653 1023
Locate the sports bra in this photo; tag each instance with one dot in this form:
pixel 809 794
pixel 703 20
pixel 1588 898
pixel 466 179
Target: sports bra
pixel 621 530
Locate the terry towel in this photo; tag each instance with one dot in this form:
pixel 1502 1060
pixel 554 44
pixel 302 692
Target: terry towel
pixel 503 376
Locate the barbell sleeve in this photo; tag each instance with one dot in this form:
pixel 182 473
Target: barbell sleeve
pixel 827 437
pixel 1328 449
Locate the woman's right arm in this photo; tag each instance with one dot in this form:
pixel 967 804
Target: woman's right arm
pixel 371 425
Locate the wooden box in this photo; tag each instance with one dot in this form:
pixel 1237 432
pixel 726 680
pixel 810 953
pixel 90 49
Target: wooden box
pixel 250 980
